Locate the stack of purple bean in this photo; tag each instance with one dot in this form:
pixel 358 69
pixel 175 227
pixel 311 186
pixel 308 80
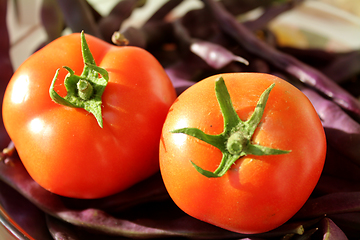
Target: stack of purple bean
pixel 186 48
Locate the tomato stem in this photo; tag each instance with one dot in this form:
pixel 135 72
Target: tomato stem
pixel 235 140
pixel 84 91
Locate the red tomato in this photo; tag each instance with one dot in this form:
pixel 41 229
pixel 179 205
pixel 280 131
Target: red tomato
pixel 63 148
pixel 257 193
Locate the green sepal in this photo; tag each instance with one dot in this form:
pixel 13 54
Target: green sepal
pixel 55 96
pixel 91 101
pixel 235 132
pixel 258 150
pixel 214 140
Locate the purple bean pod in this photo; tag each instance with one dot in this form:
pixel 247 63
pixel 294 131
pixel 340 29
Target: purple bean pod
pixel 330 184
pixel 79 16
pixel 99 221
pixel 214 55
pixel 155 31
pixel 349 223
pixel 331 231
pixel 150 190
pixel 315 57
pixel 333 203
pixel 339 166
pixel 179 75
pixel 163 11
pixel 6 67
pixel 94 12
pixel 151 35
pixel 199 24
pixel 24 215
pixel 343 133
pixel 236 7
pixel 251 238
pixel 344 67
pixel 13 172
pixel 162 219
pixel 340 67
pixel 61 230
pixel 52 19
pixel 269 14
pixel 336 194
pixel 305 73
pixel 119 13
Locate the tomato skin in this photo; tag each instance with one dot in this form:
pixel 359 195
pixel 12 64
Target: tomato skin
pixel 258 193
pixel 63 148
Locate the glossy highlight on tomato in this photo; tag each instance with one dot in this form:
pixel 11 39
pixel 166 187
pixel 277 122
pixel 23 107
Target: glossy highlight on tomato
pixel 63 148
pixel 257 193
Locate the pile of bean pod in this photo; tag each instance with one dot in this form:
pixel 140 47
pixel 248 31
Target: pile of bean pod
pixel 186 47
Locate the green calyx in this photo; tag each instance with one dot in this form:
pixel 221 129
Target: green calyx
pixel 84 91
pixel 236 139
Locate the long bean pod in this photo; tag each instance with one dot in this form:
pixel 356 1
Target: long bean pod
pixel 79 17
pixel 287 63
pixel 343 133
pixel 6 67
